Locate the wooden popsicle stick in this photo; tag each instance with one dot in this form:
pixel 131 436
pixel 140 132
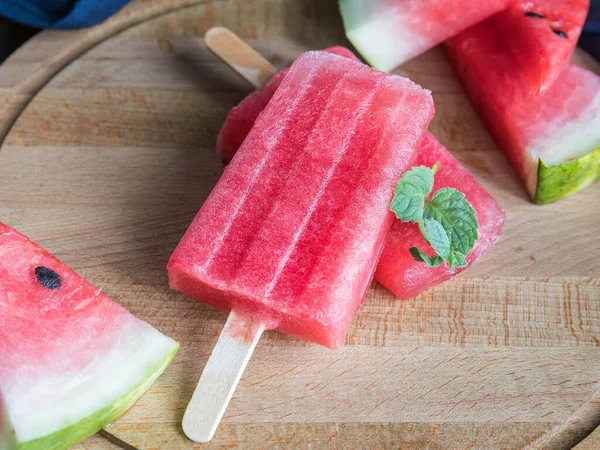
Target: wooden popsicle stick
pixel 239 55
pixel 240 334
pixel 220 376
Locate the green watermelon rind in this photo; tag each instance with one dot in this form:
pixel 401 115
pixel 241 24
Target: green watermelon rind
pixel 562 180
pixel 77 432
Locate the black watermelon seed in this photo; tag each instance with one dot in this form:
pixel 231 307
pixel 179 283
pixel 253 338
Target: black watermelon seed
pixel 560 33
pixel 534 15
pixel 47 277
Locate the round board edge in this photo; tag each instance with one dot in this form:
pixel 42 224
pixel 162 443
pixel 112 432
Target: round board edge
pixel 567 435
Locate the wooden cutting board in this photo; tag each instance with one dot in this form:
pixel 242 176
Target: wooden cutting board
pixel 113 156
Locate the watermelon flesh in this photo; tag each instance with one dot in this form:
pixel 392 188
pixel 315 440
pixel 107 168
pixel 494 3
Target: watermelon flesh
pixel 552 141
pixel 388 33
pixel 396 269
pixel 71 360
pixel 542 35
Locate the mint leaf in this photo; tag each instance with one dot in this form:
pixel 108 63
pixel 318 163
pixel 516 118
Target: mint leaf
pixel 410 193
pixel 456 259
pixel 420 256
pixel 453 211
pixel 436 236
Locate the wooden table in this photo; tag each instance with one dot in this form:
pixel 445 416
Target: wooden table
pixel 108 154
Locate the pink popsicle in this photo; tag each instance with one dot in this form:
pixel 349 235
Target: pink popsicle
pixel 396 270
pixel 292 232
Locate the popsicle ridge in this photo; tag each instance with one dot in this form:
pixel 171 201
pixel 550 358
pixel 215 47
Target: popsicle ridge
pixel 255 211
pixel 285 122
pixel 358 117
pixel 301 265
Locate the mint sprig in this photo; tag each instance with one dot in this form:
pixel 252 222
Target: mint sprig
pixel 410 193
pixel 447 221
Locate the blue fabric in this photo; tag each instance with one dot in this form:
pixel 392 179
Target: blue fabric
pixel 592 24
pixel 63 14
pixel 590 38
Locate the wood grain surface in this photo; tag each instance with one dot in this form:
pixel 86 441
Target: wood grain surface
pixel 108 155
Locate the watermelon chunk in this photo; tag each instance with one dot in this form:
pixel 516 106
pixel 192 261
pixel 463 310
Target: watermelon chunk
pixel 71 360
pixel 388 33
pixel 542 35
pixel 552 141
pixel 396 269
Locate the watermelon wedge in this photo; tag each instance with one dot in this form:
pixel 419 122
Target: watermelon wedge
pixel 552 141
pixel 388 33
pixel 71 360
pixel 542 35
pixel 396 270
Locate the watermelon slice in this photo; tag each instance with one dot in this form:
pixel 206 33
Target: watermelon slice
pixel 552 141
pixel 542 35
pixel 396 270
pixel 390 32
pixel 71 360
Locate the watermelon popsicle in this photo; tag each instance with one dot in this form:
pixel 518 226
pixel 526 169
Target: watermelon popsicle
pixel 396 270
pixel 290 236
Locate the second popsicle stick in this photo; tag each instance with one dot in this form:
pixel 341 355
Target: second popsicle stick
pixel 240 334
pixel 238 55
